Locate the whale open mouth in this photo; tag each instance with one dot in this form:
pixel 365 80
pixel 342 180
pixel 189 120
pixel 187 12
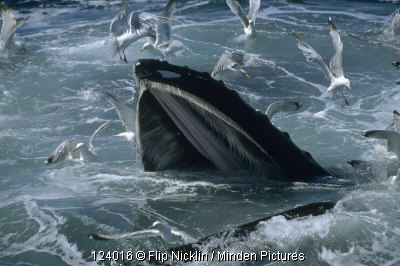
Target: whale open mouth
pixel 186 120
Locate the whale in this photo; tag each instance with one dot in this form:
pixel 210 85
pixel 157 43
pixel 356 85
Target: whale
pixel 186 120
pixel 239 233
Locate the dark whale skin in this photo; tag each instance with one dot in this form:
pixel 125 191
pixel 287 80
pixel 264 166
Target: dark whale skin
pixel 294 163
pixel 240 232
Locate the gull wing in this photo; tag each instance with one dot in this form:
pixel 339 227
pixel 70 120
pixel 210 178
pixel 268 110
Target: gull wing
pixel 236 59
pixel 139 23
pixel 119 24
pixel 140 20
pixel 163 30
pixel 97 131
pixel 254 6
pixel 396 48
pixel 224 62
pixel 336 61
pixel 62 151
pixel 392 138
pixel 168 10
pixel 369 169
pixel 9 26
pixel 312 56
pixel 281 106
pixel 396 121
pixel 125 113
pixel 244 59
pixel 120 236
pixel 235 7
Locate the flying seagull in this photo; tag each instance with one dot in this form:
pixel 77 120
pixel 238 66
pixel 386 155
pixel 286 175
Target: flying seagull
pixel 10 25
pixel 73 149
pixel 335 71
pixel 129 28
pixel 392 137
pixel 126 115
pixel 248 21
pixel 230 64
pixel 373 170
pixel 168 233
pixel 281 107
pixel 159 43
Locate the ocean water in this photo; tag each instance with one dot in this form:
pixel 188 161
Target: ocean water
pixel 56 90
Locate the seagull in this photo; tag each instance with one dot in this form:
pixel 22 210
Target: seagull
pixel 126 115
pixel 73 149
pixel 396 120
pixel 159 43
pixel 335 71
pixel 392 137
pixel 129 29
pixel 374 170
pixel 281 106
pixel 10 25
pixel 167 233
pixel 229 65
pixel 249 21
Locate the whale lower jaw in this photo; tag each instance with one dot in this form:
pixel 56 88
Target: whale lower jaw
pixel 180 131
pixel 186 120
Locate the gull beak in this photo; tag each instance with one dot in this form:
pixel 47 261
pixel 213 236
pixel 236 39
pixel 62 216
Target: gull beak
pixel 142 49
pixel 74 149
pixel 151 227
pixel 247 75
pixel 349 87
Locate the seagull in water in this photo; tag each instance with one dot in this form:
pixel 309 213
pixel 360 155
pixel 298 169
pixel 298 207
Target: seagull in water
pixel 281 107
pixel 230 64
pixel 73 149
pixel 126 115
pixel 159 43
pixel 335 71
pixel 392 137
pixel 129 28
pixel 168 233
pixel 374 170
pixel 10 25
pixel 249 20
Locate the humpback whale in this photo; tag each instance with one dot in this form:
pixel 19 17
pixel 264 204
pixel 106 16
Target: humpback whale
pixel 240 232
pixel 186 120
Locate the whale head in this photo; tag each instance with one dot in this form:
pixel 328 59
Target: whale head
pixel 187 120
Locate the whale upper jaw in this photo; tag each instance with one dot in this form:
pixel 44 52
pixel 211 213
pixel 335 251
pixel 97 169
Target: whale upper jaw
pixel 185 120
